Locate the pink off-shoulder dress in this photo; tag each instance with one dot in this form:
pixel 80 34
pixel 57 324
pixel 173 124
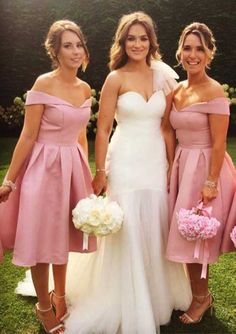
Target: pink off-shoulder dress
pixel 190 170
pixel 36 220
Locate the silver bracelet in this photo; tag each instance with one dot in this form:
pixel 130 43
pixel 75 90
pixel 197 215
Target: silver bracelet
pixel 210 184
pixel 10 184
pixel 100 170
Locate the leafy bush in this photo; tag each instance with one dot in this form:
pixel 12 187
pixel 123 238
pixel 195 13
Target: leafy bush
pixel 12 118
pixel 92 125
pixel 230 92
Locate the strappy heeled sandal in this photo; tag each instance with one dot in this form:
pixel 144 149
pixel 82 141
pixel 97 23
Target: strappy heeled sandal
pixel 200 300
pixel 56 329
pixel 52 294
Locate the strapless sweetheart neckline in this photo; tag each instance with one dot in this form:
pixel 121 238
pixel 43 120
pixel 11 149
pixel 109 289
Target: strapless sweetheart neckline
pixel 137 93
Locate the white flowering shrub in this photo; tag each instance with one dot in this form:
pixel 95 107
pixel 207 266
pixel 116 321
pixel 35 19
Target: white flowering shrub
pixel 230 93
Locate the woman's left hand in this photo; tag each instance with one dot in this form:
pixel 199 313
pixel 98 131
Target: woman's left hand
pixel 208 194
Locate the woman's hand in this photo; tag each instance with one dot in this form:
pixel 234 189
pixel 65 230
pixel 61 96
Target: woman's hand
pixel 4 193
pixel 99 183
pixel 208 194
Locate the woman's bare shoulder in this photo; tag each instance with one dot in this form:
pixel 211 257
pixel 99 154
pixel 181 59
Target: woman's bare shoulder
pixel 86 88
pixel 213 90
pixel 114 80
pixel 43 82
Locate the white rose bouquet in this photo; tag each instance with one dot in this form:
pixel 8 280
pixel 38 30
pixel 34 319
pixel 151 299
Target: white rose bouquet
pixel 97 216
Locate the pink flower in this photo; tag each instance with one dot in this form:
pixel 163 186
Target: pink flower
pixel 233 236
pixel 197 223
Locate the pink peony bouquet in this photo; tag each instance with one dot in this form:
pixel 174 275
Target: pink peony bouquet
pixel 197 225
pixel 233 236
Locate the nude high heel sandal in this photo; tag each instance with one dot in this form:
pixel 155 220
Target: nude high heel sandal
pixel 200 300
pixel 56 329
pixel 53 295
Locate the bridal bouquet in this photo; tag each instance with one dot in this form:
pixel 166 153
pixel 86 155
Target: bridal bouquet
pixel 197 225
pixel 97 216
pixel 233 236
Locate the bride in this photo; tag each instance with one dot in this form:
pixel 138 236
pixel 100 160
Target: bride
pixel 128 286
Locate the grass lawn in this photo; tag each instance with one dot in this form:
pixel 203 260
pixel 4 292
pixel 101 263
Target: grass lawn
pixel 17 313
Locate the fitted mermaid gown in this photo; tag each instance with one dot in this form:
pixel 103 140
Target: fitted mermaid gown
pixel 128 286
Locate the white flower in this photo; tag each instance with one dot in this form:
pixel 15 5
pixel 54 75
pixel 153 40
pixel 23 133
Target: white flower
pixel 96 215
pixel 102 230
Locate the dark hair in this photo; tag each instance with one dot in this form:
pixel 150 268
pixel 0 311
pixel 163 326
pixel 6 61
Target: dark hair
pixel 118 56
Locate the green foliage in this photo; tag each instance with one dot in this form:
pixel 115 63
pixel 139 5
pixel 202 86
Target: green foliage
pixel 230 92
pixel 11 118
pixel 24 58
pixel 92 125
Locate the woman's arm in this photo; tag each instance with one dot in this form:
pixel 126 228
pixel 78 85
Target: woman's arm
pixel 106 114
pixel 218 128
pixel 33 115
pixel 29 133
pixel 168 134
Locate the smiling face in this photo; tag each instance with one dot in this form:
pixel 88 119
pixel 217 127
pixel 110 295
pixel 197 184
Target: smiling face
pixel 71 53
pixel 193 56
pixel 137 43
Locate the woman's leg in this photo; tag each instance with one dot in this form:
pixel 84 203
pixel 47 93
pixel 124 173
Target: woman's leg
pixel 202 300
pixel 58 295
pixel 40 276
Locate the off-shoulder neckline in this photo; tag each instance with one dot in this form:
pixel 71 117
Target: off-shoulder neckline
pixel 199 103
pixel 58 98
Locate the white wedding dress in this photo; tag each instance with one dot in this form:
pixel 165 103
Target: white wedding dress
pixel 127 286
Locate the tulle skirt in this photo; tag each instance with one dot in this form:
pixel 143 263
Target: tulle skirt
pixel 128 286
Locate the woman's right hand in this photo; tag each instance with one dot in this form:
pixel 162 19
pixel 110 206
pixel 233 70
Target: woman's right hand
pixel 4 193
pixel 208 194
pixel 99 183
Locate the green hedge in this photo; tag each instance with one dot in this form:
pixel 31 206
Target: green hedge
pixel 24 24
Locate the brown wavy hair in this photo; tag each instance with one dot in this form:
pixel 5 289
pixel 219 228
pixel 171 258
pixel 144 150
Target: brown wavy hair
pixel 53 40
pixel 118 56
pixel 206 37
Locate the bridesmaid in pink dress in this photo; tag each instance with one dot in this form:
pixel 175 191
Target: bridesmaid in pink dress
pixel 201 169
pixel 49 173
